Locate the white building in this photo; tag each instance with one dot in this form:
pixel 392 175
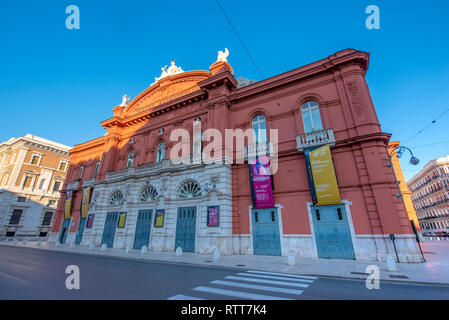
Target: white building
pixel 430 195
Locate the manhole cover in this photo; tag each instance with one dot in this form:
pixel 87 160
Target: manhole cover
pixel 397 276
pixel 239 265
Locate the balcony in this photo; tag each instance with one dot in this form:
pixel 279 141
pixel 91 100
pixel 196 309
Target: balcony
pixel 315 139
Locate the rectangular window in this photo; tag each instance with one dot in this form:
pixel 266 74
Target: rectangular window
pixel 80 173
pixel 62 166
pixel 21 199
pixel 56 186
pixel 27 182
pixel 97 168
pixel 35 160
pixel 15 217
pixel 47 218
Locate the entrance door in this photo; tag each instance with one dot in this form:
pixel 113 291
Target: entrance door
pixel 80 231
pixel 64 230
pixel 332 234
pixel 109 229
pixel 143 227
pixel 266 238
pixel 185 229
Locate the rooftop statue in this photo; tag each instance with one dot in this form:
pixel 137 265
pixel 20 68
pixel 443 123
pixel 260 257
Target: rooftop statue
pixel 172 70
pixel 223 56
pixel 125 100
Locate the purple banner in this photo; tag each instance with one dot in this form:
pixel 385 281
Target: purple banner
pixel 263 192
pixel 213 213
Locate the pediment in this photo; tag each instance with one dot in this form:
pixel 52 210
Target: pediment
pixel 165 90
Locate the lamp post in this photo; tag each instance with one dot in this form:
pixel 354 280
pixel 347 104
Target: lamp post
pixel 399 150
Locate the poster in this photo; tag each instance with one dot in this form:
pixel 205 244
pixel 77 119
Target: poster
pixel 159 219
pixel 68 204
pixel 324 180
pixel 85 201
pixel 90 221
pixel 213 216
pixel 261 187
pixel 121 220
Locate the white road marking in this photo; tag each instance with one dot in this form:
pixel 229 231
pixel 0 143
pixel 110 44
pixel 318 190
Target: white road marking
pixel 274 277
pixel 238 294
pixel 289 284
pixel 183 297
pixel 257 287
pixel 283 274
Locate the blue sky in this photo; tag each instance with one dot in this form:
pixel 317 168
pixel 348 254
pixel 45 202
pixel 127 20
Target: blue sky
pixel 59 83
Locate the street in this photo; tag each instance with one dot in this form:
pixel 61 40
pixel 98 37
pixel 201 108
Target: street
pixel 27 273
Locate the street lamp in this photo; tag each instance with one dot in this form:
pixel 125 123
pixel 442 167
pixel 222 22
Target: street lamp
pixel 399 152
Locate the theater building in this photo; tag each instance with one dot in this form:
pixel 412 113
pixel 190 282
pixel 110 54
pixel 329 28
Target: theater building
pixel 332 195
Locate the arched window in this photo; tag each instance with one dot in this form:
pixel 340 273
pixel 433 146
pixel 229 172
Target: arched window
pixel 160 152
pixel 259 125
pixel 311 117
pixel 130 161
pixel 117 198
pixel 189 189
pixel 149 194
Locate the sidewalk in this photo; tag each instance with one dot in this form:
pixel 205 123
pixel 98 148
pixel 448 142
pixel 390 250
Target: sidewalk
pixel 434 271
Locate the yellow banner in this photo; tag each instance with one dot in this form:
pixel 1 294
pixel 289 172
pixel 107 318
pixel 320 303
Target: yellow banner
pixel 324 179
pixel 122 220
pixel 86 201
pixel 68 204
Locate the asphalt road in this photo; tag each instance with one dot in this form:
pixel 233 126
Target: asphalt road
pixel 27 273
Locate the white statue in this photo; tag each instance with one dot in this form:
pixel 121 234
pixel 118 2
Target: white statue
pixel 223 56
pixel 125 100
pixel 172 70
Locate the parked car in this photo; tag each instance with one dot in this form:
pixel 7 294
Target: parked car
pixel 442 234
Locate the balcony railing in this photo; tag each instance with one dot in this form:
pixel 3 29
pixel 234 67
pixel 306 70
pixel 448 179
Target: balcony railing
pixel 315 139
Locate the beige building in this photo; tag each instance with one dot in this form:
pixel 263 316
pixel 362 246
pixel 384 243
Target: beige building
pixel 430 195
pixel 32 171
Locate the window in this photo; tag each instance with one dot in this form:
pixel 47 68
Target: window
pixel 160 152
pixel 259 129
pixel 41 184
pixel 62 166
pixel 47 218
pixel 311 117
pixel 117 198
pixel 15 217
pixel 149 194
pixel 80 173
pixel 130 161
pixel 21 199
pixel 97 168
pixel 189 190
pixel 56 186
pixel 27 182
pixel 35 159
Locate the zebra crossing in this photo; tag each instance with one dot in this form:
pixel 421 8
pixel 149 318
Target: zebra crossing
pixel 252 285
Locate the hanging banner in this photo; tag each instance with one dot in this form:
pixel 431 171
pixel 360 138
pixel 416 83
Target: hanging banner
pixel 90 221
pixel 85 201
pixel 213 216
pixel 68 204
pixel 325 188
pixel 261 183
pixel 122 220
pixel 159 219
